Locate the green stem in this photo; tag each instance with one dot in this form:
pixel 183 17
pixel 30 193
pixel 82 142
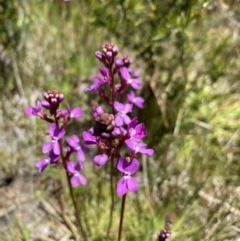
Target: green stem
pixel 121 218
pixel 112 200
pixel 77 213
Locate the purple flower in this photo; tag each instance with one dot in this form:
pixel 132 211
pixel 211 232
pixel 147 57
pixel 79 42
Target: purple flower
pixel 75 113
pixel 117 131
pixel 56 134
pixel 136 131
pixel 89 139
pixel 44 162
pixel 77 176
pixel 100 159
pixel 99 81
pixel 34 111
pixel 134 82
pixel 99 55
pixel 98 111
pixel 74 143
pixel 138 101
pixel 122 116
pixel 127 183
pixel 136 147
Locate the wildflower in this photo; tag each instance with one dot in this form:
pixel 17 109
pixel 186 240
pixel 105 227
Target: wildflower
pixel 127 182
pixel 100 82
pixel 122 116
pixel 138 101
pixel 89 139
pixel 44 162
pixel 100 160
pixel 34 111
pixel 74 144
pixel 136 147
pixel 136 131
pixel 98 111
pixel 134 82
pixel 56 134
pixel 76 113
pixel 77 177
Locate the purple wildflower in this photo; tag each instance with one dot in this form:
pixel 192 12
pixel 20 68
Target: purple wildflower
pixel 99 81
pixel 100 159
pixel 75 113
pixel 98 111
pixel 127 182
pixel 56 134
pixel 136 131
pixel 34 111
pixel 77 176
pixel 44 162
pixel 136 147
pixel 138 101
pixel 122 116
pixel 134 82
pixel 89 139
pixel 74 143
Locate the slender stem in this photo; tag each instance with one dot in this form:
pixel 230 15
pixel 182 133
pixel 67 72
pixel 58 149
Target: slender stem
pixel 121 218
pixel 77 213
pixel 112 200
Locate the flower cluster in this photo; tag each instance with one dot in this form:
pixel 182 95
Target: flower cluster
pixel 114 131
pixel 117 135
pixel 49 111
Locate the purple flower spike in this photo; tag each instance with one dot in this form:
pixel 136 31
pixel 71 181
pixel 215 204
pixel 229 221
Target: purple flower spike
pixel 56 134
pixel 74 143
pixel 89 139
pixel 136 131
pixel 75 113
pixel 77 177
pixel 134 82
pixel 34 111
pixel 127 183
pixel 100 160
pixel 136 147
pixel 122 116
pixel 138 101
pixel 44 162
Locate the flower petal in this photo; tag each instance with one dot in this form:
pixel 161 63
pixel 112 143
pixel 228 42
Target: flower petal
pixel 88 138
pixel 77 113
pixel 42 164
pixel 118 106
pixel 52 129
pixel 130 167
pixel 100 160
pixel 119 120
pixel 47 147
pixel 132 184
pixel 56 148
pixel 77 179
pixel 71 167
pixel 80 155
pixel 122 187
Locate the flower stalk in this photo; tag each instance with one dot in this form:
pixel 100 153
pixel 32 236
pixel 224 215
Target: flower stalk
pixel 116 133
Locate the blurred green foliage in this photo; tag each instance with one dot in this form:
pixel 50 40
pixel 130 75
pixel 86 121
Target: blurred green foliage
pixel 187 51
